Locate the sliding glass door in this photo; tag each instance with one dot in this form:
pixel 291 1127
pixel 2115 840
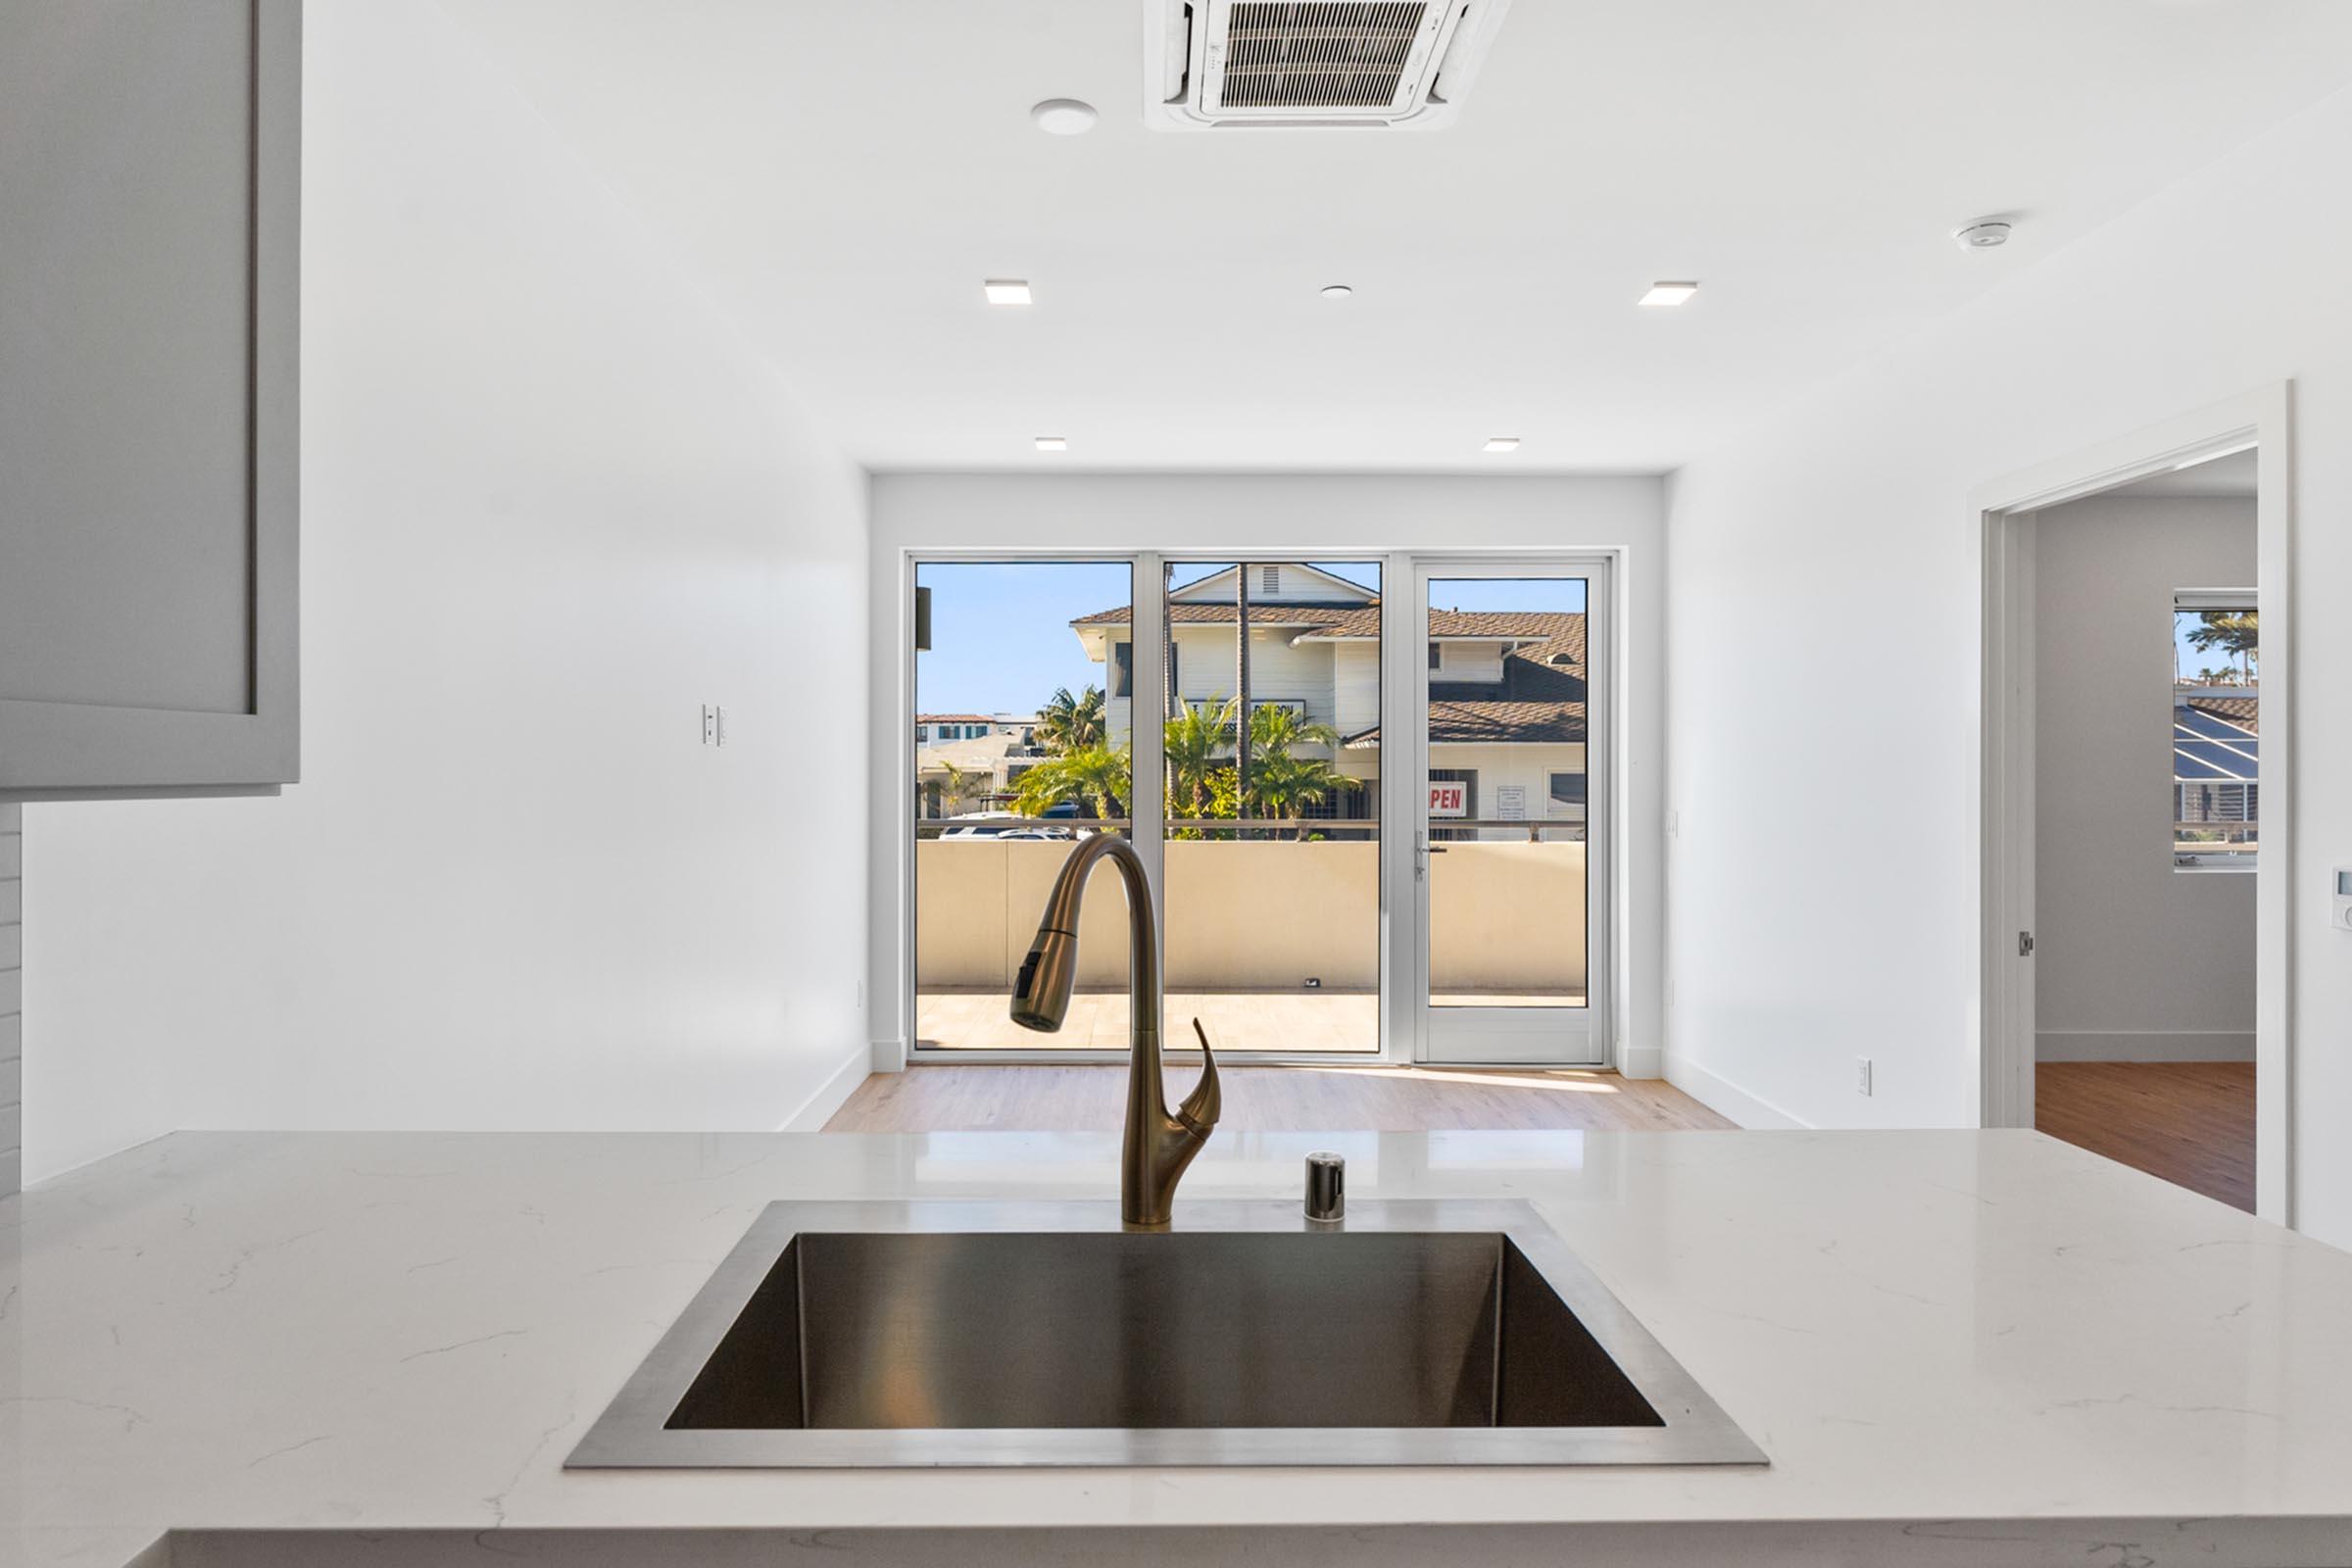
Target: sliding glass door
pixel 1270 722
pixel 1510 872
pixel 1021 740
pixel 1370 791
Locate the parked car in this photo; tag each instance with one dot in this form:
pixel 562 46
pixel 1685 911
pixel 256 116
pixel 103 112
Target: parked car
pixel 1007 825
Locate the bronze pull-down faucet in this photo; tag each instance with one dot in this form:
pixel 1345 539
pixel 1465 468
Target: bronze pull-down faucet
pixel 1159 1142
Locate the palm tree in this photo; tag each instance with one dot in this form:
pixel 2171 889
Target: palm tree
pixel 957 784
pixel 1281 784
pixel 1274 729
pixel 1285 785
pixel 1191 741
pixel 1094 777
pixel 2235 632
pixel 1068 724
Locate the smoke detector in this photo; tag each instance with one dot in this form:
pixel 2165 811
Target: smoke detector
pixel 1987 235
pixel 1218 64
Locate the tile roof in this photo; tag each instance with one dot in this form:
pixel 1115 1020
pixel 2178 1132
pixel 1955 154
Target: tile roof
pixel 1537 702
pixel 953 718
pixel 1562 631
pixel 1473 721
pixel 2245 712
pixel 1265 612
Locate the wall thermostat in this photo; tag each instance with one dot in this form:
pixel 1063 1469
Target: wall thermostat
pixel 2343 898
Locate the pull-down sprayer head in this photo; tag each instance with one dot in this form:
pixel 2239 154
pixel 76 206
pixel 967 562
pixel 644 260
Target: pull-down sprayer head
pixel 1041 995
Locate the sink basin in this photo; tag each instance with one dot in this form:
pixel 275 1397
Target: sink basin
pixel 987 1334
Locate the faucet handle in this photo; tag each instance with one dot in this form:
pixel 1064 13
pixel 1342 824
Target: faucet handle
pixel 1326 1187
pixel 1206 1102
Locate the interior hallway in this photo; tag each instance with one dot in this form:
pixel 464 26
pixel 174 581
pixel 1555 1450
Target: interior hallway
pixel 1090 1097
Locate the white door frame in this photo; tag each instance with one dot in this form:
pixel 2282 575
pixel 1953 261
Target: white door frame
pixel 2000 523
pixel 1514 1036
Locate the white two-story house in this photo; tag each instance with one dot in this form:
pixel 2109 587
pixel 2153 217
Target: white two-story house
pixel 1507 689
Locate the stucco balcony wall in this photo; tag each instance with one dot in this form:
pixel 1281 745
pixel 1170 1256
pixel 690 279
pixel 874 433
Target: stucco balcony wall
pixel 1262 917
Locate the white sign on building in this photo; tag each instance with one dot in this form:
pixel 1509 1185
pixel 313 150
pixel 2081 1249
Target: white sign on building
pixel 1448 797
pixel 1510 802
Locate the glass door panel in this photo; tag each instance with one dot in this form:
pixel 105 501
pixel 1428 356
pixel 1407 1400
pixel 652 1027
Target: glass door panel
pixel 1271 857
pixel 1509 849
pixel 1021 746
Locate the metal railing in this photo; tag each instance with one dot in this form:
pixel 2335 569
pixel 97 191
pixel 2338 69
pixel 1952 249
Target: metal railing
pixel 2215 842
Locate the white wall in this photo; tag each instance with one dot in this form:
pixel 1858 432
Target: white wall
pixel 12 982
pixel 1824 579
pixel 2132 959
pixel 1287 516
pixel 550 505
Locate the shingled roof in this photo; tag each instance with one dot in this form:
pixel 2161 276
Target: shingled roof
pixel 1539 701
pixel 1472 721
pixel 2243 712
pixel 1561 631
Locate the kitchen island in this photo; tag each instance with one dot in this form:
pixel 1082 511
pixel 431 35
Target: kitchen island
pixel 1956 1348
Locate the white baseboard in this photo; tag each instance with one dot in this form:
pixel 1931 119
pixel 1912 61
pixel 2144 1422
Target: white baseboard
pixel 831 1095
pixel 888 1055
pixel 2143 1044
pixel 1641 1061
pixel 1727 1099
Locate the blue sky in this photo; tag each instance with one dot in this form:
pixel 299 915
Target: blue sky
pixel 2188 661
pixel 1001 637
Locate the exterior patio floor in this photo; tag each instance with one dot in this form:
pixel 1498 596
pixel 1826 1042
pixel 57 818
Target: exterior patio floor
pixel 1295 1022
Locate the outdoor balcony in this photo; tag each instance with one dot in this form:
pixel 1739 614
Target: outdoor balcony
pixel 1274 941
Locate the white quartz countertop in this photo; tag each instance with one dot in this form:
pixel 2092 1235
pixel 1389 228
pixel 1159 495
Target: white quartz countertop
pixel 1956 1348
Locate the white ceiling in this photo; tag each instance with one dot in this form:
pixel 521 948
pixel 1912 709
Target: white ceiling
pixel 845 175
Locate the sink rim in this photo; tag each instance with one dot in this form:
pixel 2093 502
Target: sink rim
pixel 630 1433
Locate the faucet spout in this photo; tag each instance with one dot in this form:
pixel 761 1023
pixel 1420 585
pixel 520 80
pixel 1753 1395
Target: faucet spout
pixel 1158 1143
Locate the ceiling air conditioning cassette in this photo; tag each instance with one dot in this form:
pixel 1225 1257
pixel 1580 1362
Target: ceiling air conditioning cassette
pixel 1222 65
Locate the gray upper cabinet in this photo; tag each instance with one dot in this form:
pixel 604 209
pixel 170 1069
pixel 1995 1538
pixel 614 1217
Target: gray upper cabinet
pixel 149 236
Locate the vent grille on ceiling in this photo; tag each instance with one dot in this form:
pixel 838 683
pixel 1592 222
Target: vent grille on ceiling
pixel 1217 65
pixel 1317 56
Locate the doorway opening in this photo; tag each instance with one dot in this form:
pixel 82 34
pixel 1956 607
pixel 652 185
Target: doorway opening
pixel 2134 873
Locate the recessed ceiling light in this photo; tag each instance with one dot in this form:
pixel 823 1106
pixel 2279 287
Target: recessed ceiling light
pixel 1336 291
pixel 1063 117
pixel 1005 291
pixel 1052 443
pixel 1501 443
pixel 1661 295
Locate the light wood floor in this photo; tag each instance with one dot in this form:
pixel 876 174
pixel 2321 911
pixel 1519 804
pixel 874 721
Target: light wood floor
pixel 2188 1122
pixel 1089 1097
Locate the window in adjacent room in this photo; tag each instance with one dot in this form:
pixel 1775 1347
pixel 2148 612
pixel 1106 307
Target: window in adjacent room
pixel 2217 728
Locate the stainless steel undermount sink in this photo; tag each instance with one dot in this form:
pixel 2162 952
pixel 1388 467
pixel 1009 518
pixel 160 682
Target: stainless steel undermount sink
pixel 1418 1332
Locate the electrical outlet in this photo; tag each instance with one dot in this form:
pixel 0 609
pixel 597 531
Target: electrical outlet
pixel 715 724
pixel 1862 1075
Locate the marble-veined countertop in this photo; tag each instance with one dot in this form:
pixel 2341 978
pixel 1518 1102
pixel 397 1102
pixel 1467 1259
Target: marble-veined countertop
pixel 1956 1346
